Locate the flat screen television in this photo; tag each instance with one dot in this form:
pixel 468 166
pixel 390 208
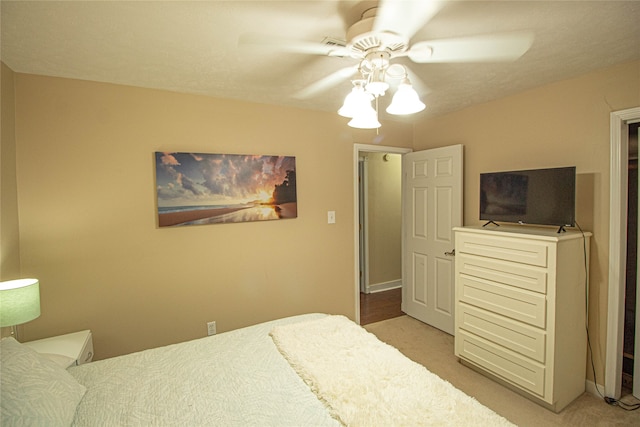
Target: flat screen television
pixel 535 196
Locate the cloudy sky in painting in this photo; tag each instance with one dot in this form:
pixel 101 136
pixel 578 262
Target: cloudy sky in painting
pixel 190 179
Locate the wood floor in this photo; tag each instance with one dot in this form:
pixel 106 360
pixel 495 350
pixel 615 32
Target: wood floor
pixel 380 306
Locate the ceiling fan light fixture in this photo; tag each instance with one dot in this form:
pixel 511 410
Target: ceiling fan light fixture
pixel 376 85
pixel 357 100
pixel 405 101
pixel 377 88
pixel 366 118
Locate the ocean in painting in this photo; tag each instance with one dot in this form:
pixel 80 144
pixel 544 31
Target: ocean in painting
pixel 174 209
pixel 207 214
pixel 256 213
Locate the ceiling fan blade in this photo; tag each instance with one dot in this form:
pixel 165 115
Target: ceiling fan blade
pixel 327 82
pixel 282 44
pixel 405 17
pixel 491 48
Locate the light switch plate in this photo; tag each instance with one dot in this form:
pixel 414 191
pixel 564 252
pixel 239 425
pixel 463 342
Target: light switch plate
pixel 331 217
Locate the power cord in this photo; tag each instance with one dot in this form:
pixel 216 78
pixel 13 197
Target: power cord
pixel 609 400
pixel 620 404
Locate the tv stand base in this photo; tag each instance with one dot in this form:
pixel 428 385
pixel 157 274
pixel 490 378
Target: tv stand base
pixel 491 222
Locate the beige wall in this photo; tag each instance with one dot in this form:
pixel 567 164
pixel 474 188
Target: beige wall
pixel 87 205
pixel 561 124
pixel 9 236
pixel 384 218
pixel 88 224
pixel 9 230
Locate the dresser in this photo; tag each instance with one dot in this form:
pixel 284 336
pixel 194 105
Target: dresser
pixel 521 309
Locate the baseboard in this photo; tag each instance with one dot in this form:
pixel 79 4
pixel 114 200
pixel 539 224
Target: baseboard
pixel 590 387
pixel 384 286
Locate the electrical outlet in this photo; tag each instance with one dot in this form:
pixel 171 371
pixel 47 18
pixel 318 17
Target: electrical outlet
pixel 211 328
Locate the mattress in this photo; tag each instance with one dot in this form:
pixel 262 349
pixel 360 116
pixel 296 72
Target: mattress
pixel 237 378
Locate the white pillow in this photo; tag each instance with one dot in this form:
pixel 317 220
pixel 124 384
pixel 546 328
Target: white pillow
pixel 60 359
pixel 35 391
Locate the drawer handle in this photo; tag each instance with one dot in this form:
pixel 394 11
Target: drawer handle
pixel 452 253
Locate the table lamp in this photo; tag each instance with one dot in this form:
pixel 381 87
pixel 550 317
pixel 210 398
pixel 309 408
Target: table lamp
pixel 19 303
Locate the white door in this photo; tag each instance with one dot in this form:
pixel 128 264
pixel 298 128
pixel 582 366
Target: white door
pixel 432 206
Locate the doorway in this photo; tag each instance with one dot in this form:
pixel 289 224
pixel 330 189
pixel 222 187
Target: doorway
pixel 630 355
pixel 380 205
pixel 361 151
pixel 380 227
pixel 621 121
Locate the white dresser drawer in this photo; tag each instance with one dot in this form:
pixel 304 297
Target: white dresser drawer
pixel 516 369
pixel 522 339
pixel 509 273
pixel 509 249
pixel 517 304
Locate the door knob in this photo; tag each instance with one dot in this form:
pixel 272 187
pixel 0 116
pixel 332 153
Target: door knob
pixel 452 253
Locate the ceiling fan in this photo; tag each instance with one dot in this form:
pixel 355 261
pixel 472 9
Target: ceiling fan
pixel 383 34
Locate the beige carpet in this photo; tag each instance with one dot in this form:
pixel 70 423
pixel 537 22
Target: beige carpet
pixel 434 349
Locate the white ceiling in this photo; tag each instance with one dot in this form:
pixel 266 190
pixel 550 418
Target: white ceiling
pixel 192 46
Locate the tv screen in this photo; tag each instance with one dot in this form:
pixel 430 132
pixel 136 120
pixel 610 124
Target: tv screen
pixel 536 196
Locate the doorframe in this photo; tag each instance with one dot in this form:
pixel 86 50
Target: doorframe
pixel 357 149
pixel 363 219
pixel 619 158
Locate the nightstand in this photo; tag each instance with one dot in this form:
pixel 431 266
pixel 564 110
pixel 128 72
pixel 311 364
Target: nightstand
pixel 74 349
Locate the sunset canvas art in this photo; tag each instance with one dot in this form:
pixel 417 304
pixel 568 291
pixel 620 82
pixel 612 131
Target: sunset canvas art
pixel 195 188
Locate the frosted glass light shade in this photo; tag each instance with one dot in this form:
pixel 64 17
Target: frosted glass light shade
pixel 365 119
pixel 356 101
pixel 405 101
pixel 19 301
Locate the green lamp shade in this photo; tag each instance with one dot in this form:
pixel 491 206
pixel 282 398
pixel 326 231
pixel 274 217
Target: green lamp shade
pixel 19 301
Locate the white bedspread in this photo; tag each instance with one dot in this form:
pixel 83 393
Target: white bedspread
pixel 196 383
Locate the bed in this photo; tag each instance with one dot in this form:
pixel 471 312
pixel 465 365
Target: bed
pixel 307 370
